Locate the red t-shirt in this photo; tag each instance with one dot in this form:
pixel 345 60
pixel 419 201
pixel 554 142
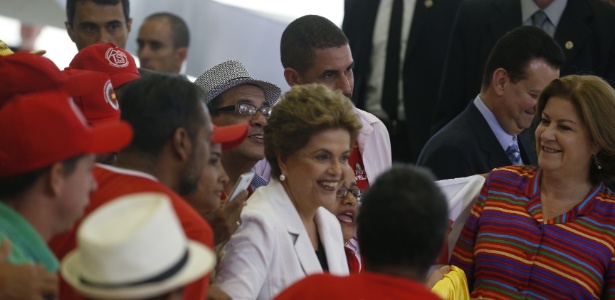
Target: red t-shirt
pixel 115 182
pixel 356 163
pixel 364 285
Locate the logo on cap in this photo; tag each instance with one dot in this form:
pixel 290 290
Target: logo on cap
pixel 116 58
pixel 110 95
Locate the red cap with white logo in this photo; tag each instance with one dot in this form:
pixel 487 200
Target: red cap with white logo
pixel 94 95
pixel 40 129
pixel 107 58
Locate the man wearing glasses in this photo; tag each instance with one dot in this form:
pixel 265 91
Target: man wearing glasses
pixel 234 97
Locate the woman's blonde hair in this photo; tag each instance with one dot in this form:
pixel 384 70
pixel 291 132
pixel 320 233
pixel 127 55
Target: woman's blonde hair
pixel 303 111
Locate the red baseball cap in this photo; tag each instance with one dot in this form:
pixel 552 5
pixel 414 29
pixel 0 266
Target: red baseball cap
pixel 94 95
pixel 25 73
pixel 229 136
pixel 40 129
pixel 107 58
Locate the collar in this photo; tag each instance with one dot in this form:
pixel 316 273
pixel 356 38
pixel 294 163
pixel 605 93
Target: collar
pixel 554 11
pixel 127 172
pixel 534 205
pixel 503 137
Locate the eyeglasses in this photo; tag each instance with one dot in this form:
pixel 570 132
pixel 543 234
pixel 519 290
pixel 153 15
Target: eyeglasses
pixel 244 109
pixel 343 192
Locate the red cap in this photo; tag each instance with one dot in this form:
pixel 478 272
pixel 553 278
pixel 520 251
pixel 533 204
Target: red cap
pixel 107 58
pixel 25 73
pixel 40 129
pixel 230 136
pixel 94 95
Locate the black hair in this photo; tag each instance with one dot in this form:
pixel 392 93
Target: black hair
pixel 516 49
pixel 303 36
pixel 70 8
pixel 158 104
pixel 403 220
pixel 16 186
pixel 179 29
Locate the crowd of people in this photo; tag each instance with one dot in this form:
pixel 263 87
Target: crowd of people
pixel 119 182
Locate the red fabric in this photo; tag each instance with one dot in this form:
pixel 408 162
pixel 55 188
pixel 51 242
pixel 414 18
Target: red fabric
pixel 353 262
pixel 356 163
pixel 364 285
pixel 39 129
pixel 107 58
pixel 112 185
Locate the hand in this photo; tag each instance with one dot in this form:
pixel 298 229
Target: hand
pixel 24 282
pixel 225 220
pixel 437 275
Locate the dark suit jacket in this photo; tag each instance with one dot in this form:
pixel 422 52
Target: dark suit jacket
pixel 467 146
pixel 588 24
pixel 425 54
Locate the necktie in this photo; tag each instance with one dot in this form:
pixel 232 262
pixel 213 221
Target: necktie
pixel 513 152
pixel 539 18
pixel 353 262
pixel 390 87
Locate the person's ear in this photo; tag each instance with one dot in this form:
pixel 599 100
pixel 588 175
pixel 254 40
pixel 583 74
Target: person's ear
pixel 55 179
pixel 499 81
pixel 281 162
pixel 181 144
pixel 292 76
pixel 129 25
pixel 182 53
pixel 69 31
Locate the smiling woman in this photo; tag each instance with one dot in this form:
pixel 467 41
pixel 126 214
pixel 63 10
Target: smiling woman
pixel 550 226
pixel 285 232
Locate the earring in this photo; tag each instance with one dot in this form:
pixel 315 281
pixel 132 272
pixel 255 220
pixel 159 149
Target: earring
pixel 596 161
pixel 282 177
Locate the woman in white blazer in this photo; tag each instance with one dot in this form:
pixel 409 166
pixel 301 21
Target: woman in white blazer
pixel 286 234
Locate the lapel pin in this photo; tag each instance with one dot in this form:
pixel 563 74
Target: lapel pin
pixel 428 3
pixel 569 45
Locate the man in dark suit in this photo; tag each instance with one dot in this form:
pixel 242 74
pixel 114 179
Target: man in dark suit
pixel 486 134
pixel 425 34
pixel 583 28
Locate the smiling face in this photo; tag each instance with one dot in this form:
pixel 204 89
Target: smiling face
pixel 517 107
pixel 562 140
pixel 333 68
pixel 314 172
pixel 253 147
pixel 346 208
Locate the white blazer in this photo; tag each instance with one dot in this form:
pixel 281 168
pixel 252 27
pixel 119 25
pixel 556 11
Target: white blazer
pixel 271 249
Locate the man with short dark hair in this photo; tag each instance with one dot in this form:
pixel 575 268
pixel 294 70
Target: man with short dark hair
pixel 91 21
pixel 163 43
pixel 486 134
pixel 314 50
pixel 583 28
pixel 167 155
pixel 402 202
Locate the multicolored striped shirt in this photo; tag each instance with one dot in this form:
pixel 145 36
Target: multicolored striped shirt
pixel 508 251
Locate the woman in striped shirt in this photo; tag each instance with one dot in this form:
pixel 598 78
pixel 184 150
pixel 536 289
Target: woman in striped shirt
pixel 548 232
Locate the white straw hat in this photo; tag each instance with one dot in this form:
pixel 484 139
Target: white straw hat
pixel 134 247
